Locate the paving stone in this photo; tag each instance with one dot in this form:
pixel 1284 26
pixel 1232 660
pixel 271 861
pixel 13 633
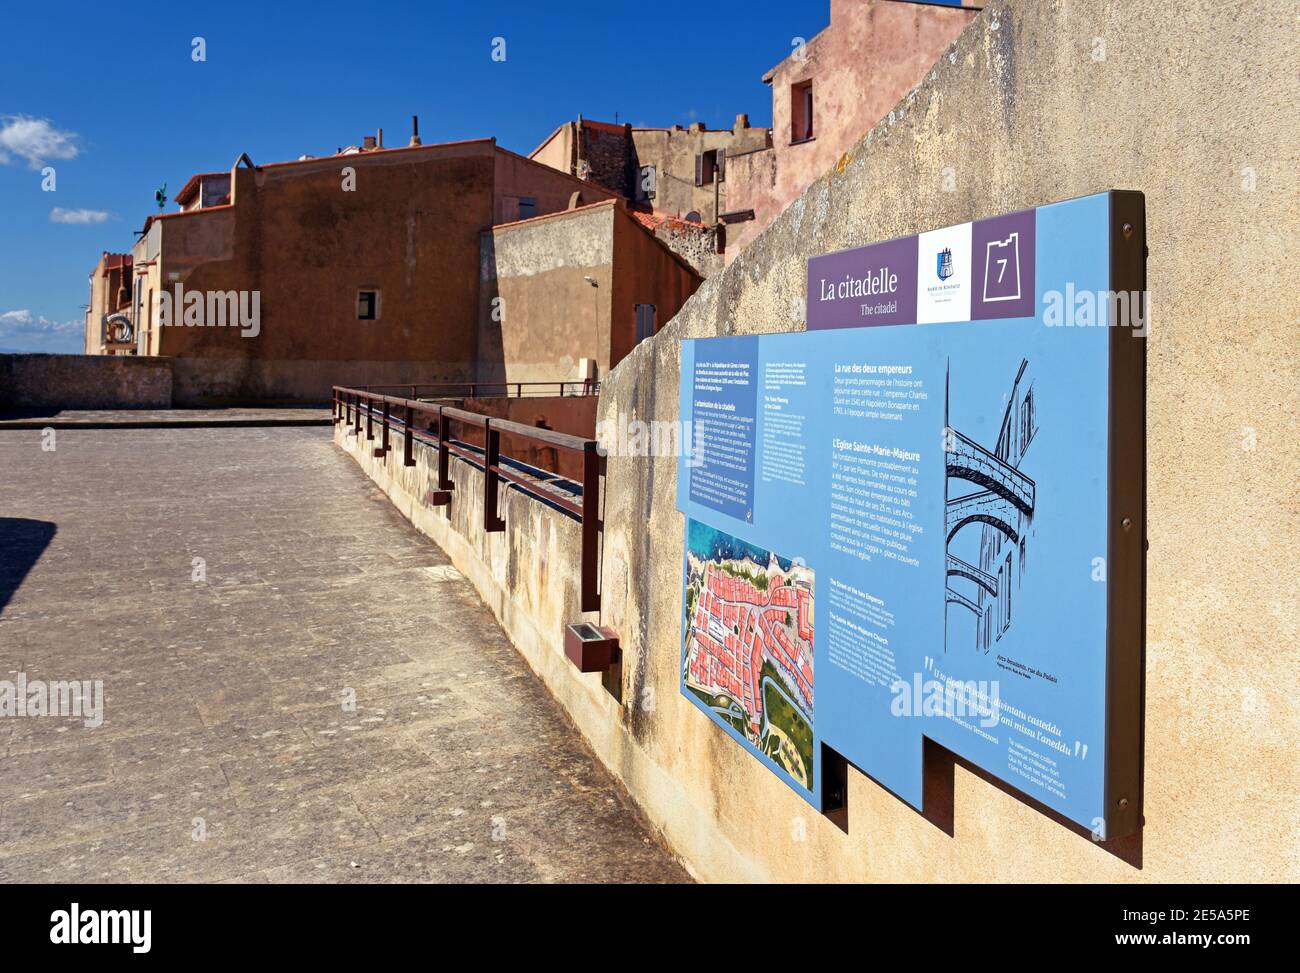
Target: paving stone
pixel 223 716
pixel 455 852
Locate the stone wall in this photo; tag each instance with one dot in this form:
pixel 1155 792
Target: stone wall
pixel 221 381
pixel 1038 102
pixel 698 247
pixel 53 382
pixel 607 150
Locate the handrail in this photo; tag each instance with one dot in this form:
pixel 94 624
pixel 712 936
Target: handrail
pixel 348 404
pixel 575 387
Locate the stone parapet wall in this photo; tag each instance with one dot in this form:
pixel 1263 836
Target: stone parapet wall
pixel 1036 103
pixel 33 382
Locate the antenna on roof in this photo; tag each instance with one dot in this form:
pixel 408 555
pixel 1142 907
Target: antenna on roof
pixel 160 196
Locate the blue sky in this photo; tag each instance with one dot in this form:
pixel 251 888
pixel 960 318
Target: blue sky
pixel 109 95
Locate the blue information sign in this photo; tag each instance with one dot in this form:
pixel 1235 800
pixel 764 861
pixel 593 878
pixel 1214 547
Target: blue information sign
pixel 900 523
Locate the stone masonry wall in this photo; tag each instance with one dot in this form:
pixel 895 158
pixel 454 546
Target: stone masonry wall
pixel 53 382
pixel 1039 102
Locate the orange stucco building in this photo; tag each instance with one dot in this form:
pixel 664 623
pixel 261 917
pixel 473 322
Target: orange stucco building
pixel 362 268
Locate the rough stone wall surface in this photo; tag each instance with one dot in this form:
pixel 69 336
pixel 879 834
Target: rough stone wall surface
pixel 607 154
pixel 279 381
pixel 84 382
pixel 1197 110
pixel 699 248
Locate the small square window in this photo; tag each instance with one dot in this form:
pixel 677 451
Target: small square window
pixel 367 305
pixel 527 207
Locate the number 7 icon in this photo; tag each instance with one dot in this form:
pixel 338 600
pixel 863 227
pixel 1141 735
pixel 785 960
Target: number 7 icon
pixel 1002 270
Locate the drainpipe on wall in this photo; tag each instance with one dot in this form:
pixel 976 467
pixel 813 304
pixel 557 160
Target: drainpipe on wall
pixel 595 316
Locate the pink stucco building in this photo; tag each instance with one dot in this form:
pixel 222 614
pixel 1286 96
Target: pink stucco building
pixel 829 93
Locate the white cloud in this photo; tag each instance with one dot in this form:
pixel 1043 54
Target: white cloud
pixel 23 331
pixel 35 140
pixel 24 322
pixel 61 215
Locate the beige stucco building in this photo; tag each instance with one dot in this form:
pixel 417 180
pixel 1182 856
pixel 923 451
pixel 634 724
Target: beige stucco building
pixel 570 294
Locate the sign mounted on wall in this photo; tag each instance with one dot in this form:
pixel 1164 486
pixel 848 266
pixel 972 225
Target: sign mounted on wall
pixel 923 518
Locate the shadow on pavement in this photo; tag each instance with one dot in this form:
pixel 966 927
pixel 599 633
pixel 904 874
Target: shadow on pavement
pixel 29 412
pixel 22 542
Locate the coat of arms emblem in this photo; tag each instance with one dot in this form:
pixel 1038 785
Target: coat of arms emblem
pixel 943 262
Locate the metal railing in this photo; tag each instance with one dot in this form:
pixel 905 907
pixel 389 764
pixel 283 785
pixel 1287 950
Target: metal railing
pixel 473 390
pixel 407 415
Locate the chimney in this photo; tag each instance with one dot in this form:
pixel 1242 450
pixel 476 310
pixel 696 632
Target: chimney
pixel 415 130
pixel 367 143
pixel 381 138
pixel 742 120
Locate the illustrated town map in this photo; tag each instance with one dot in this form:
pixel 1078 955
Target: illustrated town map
pixel 749 645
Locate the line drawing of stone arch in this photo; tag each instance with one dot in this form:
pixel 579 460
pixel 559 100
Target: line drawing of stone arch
pixel 962 569
pixel 956 598
pixel 985 507
pixel 1005 501
pixel 989 519
pixel 968 460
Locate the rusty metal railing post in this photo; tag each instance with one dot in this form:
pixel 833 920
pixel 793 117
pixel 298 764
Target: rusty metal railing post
pixel 408 457
pixel 383 444
pixel 492 522
pixel 440 495
pixel 444 455
pixel 370 419
pixel 591 526
pixel 356 414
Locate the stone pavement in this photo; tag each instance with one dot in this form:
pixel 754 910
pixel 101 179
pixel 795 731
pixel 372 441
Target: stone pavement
pixel 226 751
